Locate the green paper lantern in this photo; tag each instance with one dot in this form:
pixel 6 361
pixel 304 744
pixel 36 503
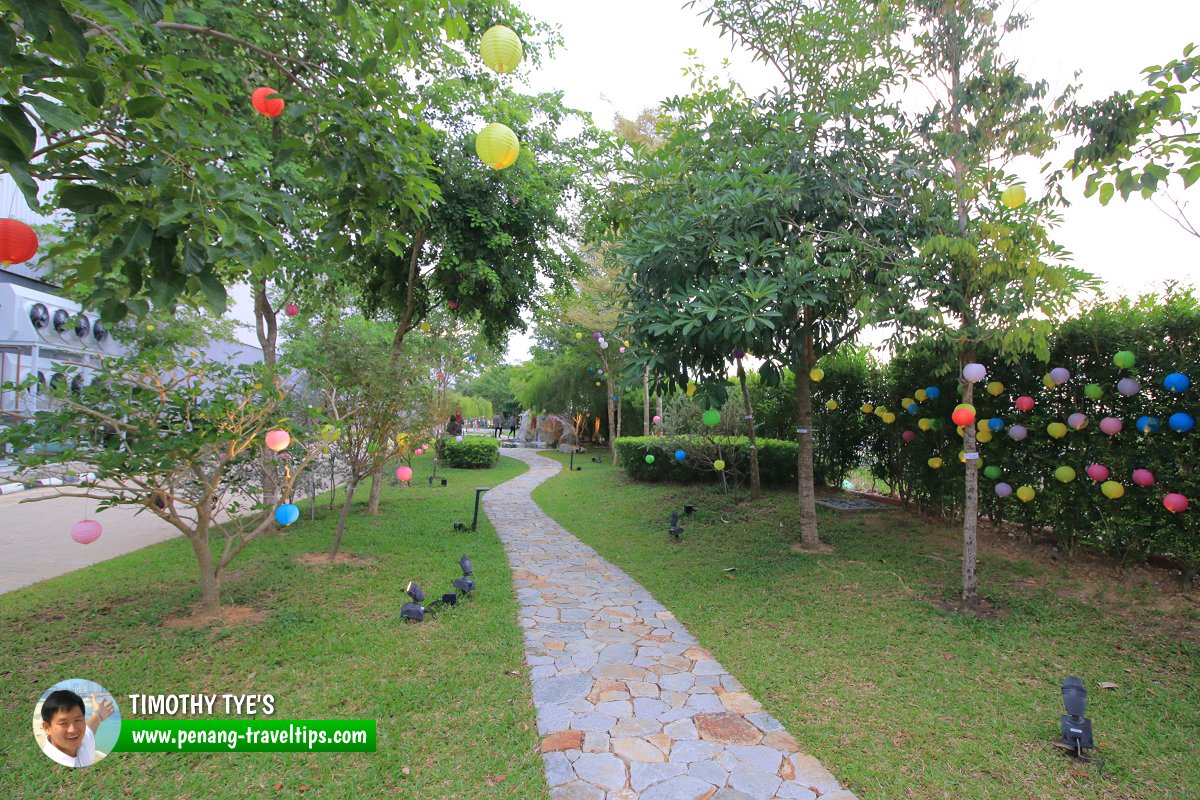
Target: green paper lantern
pixel 1065 474
pixel 1125 359
pixel 719 465
pixel 497 146
pixel 1093 391
pixel 993 472
pixel 1013 196
pixel 500 48
pixel 712 417
pixel 649 459
pixel 1057 430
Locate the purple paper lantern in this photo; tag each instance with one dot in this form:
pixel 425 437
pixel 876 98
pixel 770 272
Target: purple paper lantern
pixel 1077 421
pixel 908 436
pixel 1003 489
pixel 1060 376
pixel 1128 387
pixel 1017 432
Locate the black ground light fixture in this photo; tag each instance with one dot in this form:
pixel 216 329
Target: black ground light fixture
pixel 465 584
pixel 571 467
pixel 688 510
pixel 459 526
pixel 414 610
pixel 1076 728
pixel 676 530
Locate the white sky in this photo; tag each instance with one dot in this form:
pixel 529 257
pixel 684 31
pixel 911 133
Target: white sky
pixel 625 55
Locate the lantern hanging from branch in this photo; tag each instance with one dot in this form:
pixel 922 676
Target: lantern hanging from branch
pixel 500 48
pixel 278 440
pixel 267 101
pixel 18 242
pixel 86 531
pixel 1013 196
pixel 497 146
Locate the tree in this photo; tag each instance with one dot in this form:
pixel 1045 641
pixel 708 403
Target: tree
pixel 494 385
pixel 778 224
pixel 173 435
pixel 1135 143
pixel 994 274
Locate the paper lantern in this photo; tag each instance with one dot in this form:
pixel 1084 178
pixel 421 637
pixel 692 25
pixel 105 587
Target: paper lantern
pixel 497 146
pixel 1148 424
pixel 984 436
pixel 711 417
pixel 680 455
pixel 1181 422
pixel 1097 472
pixel 1176 382
pixel 993 472
pixel 1003 489
pixel 597 383
pixel 924 423
pixel 1143 477
pixel 888 418
pixel 906 402
pixel 961 431
pixel 278 440
pixel 404 474
pixel 1017 433
pixel 500 48
pixel 621 350
pixel 597 335
pixel 626 343
pixel 932 392
pixel 1013 196
pixel 1128 387
pixel 831 405
pixel 691 389
pixel 1093 391
pixel 995 388
pixel 816 374
pixel 1060 376
pixel 1025 403
pixel 867 408
pixel 1112 490
pixel 287 513
pixel 920 395
pixel 934 463
pixel 453 304
pixel 974 373
pixel 578 335
pixel 426 327
pixel 908 436
pixel 913 408
pixel 458 438
pixel 738 352
pixel 86 531
pixel 649 459
pixel 291 309
pixel 603 345
pixel 964 414
pixel 656 419
pixel 1065 474
pixel 18 242
pixel 264 103
pixel 996 424
pixel 1048 381
pixel 1057 430
pixel 1111 425
pixel 719 465
pixel 1124 359
pixel 981 425
pixel 1077 421
pixel 1026 493
pixel 418 451
pixel 1175 503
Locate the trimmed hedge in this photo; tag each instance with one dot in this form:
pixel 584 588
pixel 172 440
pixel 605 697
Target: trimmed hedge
pixel 776 458
pixel 473 452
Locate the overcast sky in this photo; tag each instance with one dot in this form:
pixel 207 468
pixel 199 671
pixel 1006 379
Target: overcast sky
pixel 625 55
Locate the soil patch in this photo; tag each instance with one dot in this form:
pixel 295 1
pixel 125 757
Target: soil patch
pixel 322 560
pixel 226 615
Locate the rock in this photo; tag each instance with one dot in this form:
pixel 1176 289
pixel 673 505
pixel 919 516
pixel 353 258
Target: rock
pixel 754 782
pixel 781 741
pixel 637 750
pixel 726 728
pixel 558 769
pixel 731 794
pixel 643 775
pixel 577 790
pixel 841 794
pixel 683 787
pixel 549 691
pixel 601 769
pixel 740 703
pixel 810 773
pixel 563 740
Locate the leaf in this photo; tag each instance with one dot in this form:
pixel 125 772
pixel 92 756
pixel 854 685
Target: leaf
pixel 53 114
pixel 85 197
pixel 35 16
pixel 1108 685
pixel 18 129
pixel 145 106
pixel 213 290
pixel 1107 191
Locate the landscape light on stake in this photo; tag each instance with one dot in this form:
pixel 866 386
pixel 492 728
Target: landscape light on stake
pixel 458 526
pixel 1076 728
pixel 675 529
pixel 465 584
pixel 414 610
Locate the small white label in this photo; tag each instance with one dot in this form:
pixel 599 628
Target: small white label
pixel 970 456
pixel 801 430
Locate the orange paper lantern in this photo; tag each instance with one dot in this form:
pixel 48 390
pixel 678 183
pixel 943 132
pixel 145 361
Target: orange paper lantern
pixel 18 242
pixel 265 104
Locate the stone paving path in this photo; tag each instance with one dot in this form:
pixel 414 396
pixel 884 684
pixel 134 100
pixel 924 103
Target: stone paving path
pixel 628 704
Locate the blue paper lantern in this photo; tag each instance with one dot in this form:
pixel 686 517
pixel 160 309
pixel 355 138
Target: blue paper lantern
pixel 591 369
pixel 1148 424
pixel 1181 422
pixel 913 408
pixel 996 424
pixel 932 392
pixel 287 513
pixel 680 455
pixel 1176 382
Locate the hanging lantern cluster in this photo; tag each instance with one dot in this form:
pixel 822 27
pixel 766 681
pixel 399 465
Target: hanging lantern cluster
pixel 497 145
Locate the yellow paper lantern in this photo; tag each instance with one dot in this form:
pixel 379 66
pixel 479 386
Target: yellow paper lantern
pixel 934 463
pixel 719 465
pixel 425 327
pixel 889 418
pixel 960 431
pixel 984 436
pixel 816 374
pixel 1112 490
pixel 497 146
pixel 1013 196
pixel 920 395
pixel 995 388
pixel 981 426
pixel 867 408
pixel 1048 382
pixel 831 405
pixel 691 389
pixel 500 48
pixel 1026 493
pixel 1057 430
pixel 906 402
pixel 924 423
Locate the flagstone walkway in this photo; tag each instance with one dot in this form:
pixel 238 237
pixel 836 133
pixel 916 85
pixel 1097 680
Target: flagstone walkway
pixel 629 705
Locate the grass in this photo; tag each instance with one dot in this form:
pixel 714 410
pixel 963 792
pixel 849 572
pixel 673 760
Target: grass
pixel 897 697
pixel 451 696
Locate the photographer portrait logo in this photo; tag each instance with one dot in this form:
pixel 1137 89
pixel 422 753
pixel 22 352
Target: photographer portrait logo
pixel 76 722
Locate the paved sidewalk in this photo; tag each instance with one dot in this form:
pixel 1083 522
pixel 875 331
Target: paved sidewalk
pixel 628 704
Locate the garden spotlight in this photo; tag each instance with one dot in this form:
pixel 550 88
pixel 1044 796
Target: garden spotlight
pixel 688 509
pixel 1076 728
pixel 414 610
pixel 676 530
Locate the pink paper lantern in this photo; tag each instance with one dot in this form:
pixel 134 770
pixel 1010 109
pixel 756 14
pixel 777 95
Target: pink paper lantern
pixel 1143 477
pixel 1097 472
pixel 291 309
pixel 278 440
pixel 657 419
pixel 1111 425
pixel 1175 503
pixel 908 436
pixel 86 531
pixel 418 451
pixel 404 474
pixel 1025 403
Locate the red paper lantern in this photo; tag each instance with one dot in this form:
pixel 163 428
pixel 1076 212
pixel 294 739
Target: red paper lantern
pixel 453 304
pixel 265 104
pixel 1024 403
pixel 18 242
pixel 1175 503
pixel 963 415
pixel 291 309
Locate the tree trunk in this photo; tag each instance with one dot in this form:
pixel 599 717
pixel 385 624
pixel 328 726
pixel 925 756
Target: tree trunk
pixel 210 581
pixel 612 420
pixel 755 478
pixel 646 401
pixel 970 579
pixel 341 527
pixel 376 488
pixel 658 398
pixel 809 538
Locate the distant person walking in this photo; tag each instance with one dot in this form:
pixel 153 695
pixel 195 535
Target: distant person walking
pixel 513 421
pixel 498 425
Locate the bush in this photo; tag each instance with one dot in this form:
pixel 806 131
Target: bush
pixel 776 459
pixel 473 452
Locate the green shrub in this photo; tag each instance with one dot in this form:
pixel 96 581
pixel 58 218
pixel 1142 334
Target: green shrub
pixel 776 459
pixel 473 452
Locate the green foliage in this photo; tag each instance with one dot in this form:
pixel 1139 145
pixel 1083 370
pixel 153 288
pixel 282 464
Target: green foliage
pixel 776 459
pixel 493 385
pixel 473 452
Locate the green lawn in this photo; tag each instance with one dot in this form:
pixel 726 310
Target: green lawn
pixel 898 698
pixel 451 696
